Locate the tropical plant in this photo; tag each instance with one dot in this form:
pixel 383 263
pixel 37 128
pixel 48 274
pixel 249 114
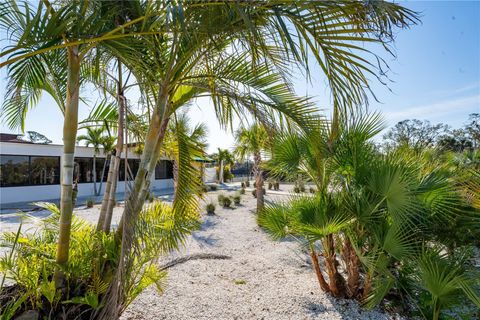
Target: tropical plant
pixel 253 141
pixel 371 211
pixel 224 158
pixel 87 273
pixel 210 207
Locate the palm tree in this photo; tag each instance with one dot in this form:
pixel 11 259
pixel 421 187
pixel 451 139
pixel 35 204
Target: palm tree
pixel 65 32
pixel 108 145
pixel 94 138
pixel 223 157
pixel 253 141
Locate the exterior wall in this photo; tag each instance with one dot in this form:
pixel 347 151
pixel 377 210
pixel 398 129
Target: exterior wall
pixel 52 192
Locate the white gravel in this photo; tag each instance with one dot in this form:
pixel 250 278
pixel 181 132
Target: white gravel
pixel 263 280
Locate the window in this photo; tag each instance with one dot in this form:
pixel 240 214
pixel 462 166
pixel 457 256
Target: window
pixel 164 170
pixel 133 165
pixel 44 170
pixel 84 170
pixel 14 170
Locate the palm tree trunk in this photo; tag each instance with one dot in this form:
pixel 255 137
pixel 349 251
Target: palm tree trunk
pixel 69 137
pixel 220 172
pixel 106 195
pixel 103 174
pixel 94 174
pixel 352 267
pixel 106 211
pixel 134 204
pixel 337 286
pixel 318 271
pixel 259 181
pixel 175 175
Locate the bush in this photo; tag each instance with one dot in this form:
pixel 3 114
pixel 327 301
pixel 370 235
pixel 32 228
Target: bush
pixel 243 185
pixel 220 198
pixel 213 187
pixel 236 199
pixel 270 186
pixel 276 186
pixel 242 191
pixel 296 189
pixel 247 183
pixel 312 190
pixel 302 188
pixel 90 203
pixel 205 188
pixel 210 208
pixel 227 202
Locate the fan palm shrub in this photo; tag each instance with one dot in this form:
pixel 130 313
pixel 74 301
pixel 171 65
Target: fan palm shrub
pixel 371 213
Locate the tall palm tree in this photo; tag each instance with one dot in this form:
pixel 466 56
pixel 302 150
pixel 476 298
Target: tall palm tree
pixel 95 138
pixel 108 145
pixel 253 141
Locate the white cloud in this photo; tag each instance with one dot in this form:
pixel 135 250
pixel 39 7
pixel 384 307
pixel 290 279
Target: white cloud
pixel 450 109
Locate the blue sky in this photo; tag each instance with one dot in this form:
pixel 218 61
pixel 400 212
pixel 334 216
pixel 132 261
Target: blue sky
pixel 435 74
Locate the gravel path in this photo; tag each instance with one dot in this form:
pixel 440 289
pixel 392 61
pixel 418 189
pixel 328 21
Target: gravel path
pixel 263 280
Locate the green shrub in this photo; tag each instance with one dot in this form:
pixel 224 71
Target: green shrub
pixel 210 208
pixel 236 199
pixel 296 189
pixel 302 188
pixel 227 202
pixel 213 187
pixel 90 203
pixel 243 185
pixel 242 191
pixel 270 186
pixel 221 197
pixel 204 188
pixel 254 193
pixel 247 183
pixel 276 186
pixel 312 190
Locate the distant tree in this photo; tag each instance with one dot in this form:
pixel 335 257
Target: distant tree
pixel 473 128
pixel 457 140
pixel 36 137
pixel 414 133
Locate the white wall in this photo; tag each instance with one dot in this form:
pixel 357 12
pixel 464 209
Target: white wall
pixel 52 192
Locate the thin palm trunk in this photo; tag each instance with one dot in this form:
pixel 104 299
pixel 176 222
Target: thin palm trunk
pixel 106 195
pixel 318 271
pixel 69 138
pixel 259 182
pixel 94 174
pixel 220 172
pixel 107 159
pixel 134 204
pixel 108 202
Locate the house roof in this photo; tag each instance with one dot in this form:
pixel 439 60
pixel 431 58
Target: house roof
pixel 12 137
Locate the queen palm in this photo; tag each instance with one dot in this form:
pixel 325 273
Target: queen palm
pixel 253 141
pixel 94 138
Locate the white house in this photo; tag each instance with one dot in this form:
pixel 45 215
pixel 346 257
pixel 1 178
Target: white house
pixel 31 172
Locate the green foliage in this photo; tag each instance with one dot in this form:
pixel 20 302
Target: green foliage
pixel 210 207
pixel 242 191
pixel 213 187
pixel 90 203
pixel 92 254
pixel 227 202
pixel 236 199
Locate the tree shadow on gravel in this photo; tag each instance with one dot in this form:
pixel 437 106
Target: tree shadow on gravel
pixel 346 309
pixel 209 240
